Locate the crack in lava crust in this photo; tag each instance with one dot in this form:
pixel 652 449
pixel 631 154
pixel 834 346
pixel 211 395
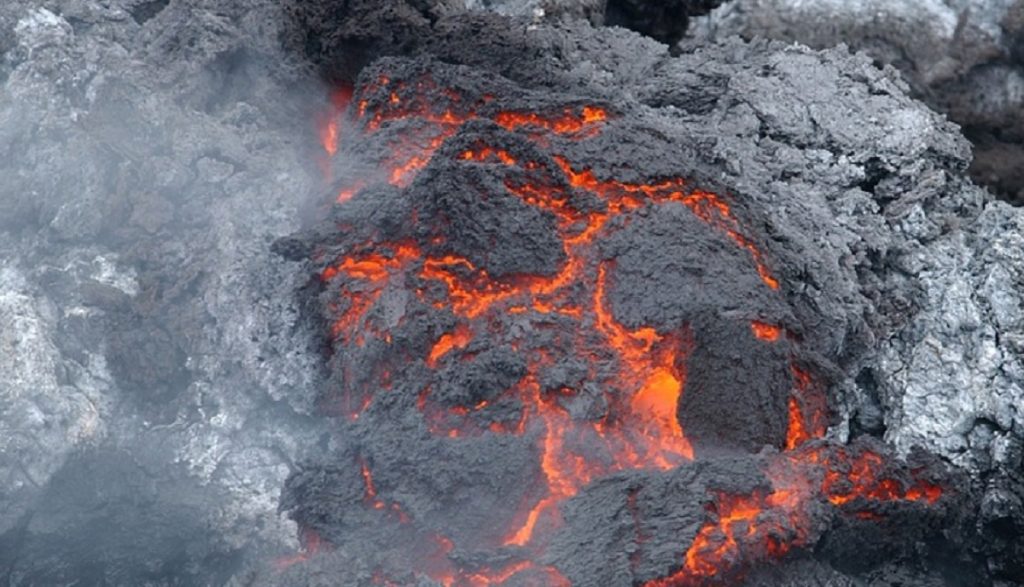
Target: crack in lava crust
pixel 596 394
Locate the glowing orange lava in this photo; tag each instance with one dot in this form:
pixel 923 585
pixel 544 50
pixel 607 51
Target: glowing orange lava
pixel 640 428
pixel 329 127
pixel 807 410
pixel 312 544
pixel 456 340
pixel 765 331
pixel 569 122
pixel 796 433
pixel 366 276
pixel 862 478
pixel 744 529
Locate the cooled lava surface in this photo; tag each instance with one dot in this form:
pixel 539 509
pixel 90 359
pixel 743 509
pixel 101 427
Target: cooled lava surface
pixel 559 354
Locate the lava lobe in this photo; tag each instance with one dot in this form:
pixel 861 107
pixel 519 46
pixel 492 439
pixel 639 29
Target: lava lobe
pixel 557 353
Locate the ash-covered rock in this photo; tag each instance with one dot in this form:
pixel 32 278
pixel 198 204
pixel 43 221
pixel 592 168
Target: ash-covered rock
pixel 51 406
pixel 953 372
pixel 961 56
pixel 155 378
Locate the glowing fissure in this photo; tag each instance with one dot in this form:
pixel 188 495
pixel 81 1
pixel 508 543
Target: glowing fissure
pixel 364 278
pixel 807 410
pixel 439 568
pixel 329 127
pixel 312 544
pixel 448 342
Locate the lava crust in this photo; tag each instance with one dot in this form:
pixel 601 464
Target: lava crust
pixel 559 353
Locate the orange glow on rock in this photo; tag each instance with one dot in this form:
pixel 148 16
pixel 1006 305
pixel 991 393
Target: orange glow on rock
pixel 649 362
pixel 744 529
pixel 329 122
pixel 312 544
pixel 329 128
pixel 658 398
pixel 713 210
pixel 796 433
pixel 735 523
pixel 765 331
pixel 568 123
pixel 370 496
pixel 364 279
pixel 862 478
pixel 455 340
pixel 640 370
pixel 486 153
pixel 329 136
pixel 924 491
pixel 807 410
pixel 348 192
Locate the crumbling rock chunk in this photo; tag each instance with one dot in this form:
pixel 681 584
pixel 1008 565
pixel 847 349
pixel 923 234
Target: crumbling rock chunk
pixel 962 57
pixel 735 377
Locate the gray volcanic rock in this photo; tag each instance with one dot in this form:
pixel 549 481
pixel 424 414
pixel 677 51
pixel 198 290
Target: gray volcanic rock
pixel 953 379
pixel 930 40
pixel 845 178
pixel 592 10
pixel 961 56
pixel 160 375
pixel 50 406
pixel 950 378
pixel 151 154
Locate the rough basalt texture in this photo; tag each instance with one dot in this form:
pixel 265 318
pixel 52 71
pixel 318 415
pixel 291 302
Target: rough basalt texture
pixel 963 57
pixel 158 383
pixel 850 180
pixel 953 373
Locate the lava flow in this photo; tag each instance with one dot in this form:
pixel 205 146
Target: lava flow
pixel 595 390
pixel 746 529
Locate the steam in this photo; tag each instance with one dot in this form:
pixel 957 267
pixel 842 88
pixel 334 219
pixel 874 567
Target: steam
pixel 155 381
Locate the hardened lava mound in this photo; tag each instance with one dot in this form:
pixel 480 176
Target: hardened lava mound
pixel 559 353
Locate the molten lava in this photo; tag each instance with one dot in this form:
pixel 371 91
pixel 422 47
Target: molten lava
pixel 639 427
pixel 329 126
pixel 767 332
pixel 745 529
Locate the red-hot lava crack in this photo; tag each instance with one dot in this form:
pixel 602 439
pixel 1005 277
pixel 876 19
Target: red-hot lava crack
pixel 618 411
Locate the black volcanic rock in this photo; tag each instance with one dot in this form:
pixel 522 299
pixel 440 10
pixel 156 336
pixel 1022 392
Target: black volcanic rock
pixel 665 21
pixel 168 381
pixel 489 274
